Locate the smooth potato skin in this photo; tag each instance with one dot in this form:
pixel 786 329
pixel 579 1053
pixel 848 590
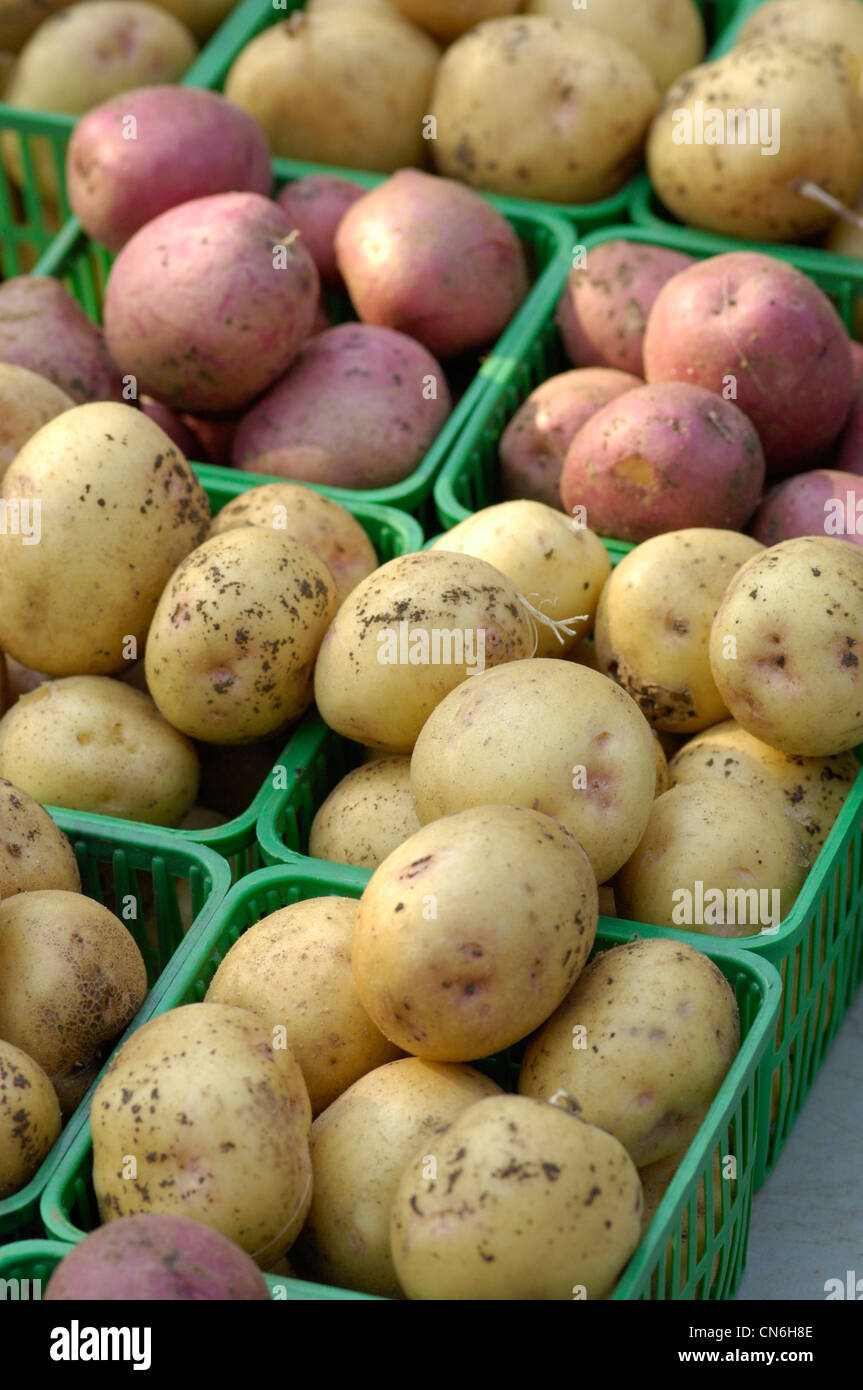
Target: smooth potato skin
pixel 93 744
pixel 72 980
pixel 233 642
pixel 548 734
pixel 359 1146
pixel 155 1258
pixel 35 853
pixel 784 646
pixel 515 910
pixel 219 1128
pixel 446 20
pixel 662 1029
pixel 30 1118
pixel 542 1204
pixel 316 205
pixel 27 402
pixel 667 35
pixel 801 506
pixel 366 816
pixel 43 328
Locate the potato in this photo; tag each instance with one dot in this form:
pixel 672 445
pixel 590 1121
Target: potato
pixel 29 1118
pixel 118 509
pixel 155 1258
pixel 449 19
pixel 93 744
pixel 739 180
pixel 536 108
pixel 233 642
pixel 848 456
pixel 548 734
pixel 716 858
pixel 20 18
pixel 534 444
pixel 825 502
pixel 327 528
pixel 661 458
pixel 359 408
pixel 430 258
pixel 784 646
pixel 756 328
pixel 122 168
pixel 27 402
pixel 159 323
pixel 603 311
pixel 645 1040
pixel 360 1145
pixel 217 1119
pixel 316 205
pixel 201 17
pixel 44 329
pixel 667 35
pixel 663 777
pixel 367 815
pixel 348 87
pixel 79 58
pixel 811 790
pixel 407 636
pixel 836 24
pixel 559 566
pixel 654 619
pixel 71 980
pixel 460 949
pixel 36 854
pixel 293 970
pixel 174 426
pixel 519 1164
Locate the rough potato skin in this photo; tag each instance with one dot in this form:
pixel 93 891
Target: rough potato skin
pixel 785 646
pixel 34 853
pixel 232 647
pixel 43 328
pixel 661 1030
pixel 528 1202
pixel 754 324
pixel 156 1258
pixel 30 1118
pixel 72 980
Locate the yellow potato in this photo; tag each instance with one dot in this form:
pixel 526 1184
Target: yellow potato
pixel 94 744
pixel 558 568
pixel 27 402
pixel 449 19
pixel 470 934
pixel 359 1146
pixel 837 24
pixel 667 35
pixel 644 1040
pixel 293 969
pixel 523 1201
pixel 71 980
pixel 34 853
pixel 368 815
pixel 29 1118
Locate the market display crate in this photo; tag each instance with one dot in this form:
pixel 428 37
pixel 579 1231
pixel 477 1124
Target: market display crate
pixel 164 890
pixel 470 479
pixel 666 1265
pixel 391 533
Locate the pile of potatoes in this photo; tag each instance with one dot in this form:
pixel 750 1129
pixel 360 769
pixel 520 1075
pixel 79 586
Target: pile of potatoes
pixel 376 1157
pixel 71 980
pixel 718 393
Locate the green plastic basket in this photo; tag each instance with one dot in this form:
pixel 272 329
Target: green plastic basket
pixel 470 478
pixel 27 1265
pixel 160 887
pixel 391 533
pixel 665 1265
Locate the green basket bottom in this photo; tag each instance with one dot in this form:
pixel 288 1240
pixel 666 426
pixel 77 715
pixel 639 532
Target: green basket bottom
pixel 666 1263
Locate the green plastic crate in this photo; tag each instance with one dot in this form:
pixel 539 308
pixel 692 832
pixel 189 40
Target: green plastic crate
pixel 160 887
pixel 392 533
pixel 663 1266
pixel 470 478
pixel 30 1264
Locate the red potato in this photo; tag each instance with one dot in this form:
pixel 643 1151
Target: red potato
pixel 215 438
pixel 535 442
pixel 168 420
pixel 762 333
pixel 42 327
pixel 359 409
pixel 316 206
pixel 603 311
pixel 664 458
pixel 857 359
pixel 209 304
pixel 822 503
pixel 433 259
pixel 156 1258
pixel 848 457
pixel 146 151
